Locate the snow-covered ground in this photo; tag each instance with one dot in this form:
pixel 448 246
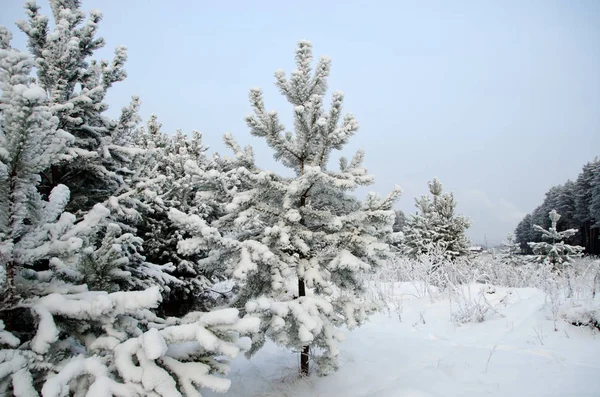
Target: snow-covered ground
pixel 514 352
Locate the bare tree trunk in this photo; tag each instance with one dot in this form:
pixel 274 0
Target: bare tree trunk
pixel 304 366
pixel 55 176
pixel 304 361
pixel 10 296
pixel 595 241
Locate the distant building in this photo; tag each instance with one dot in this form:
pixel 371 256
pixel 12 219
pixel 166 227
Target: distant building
pixel 475 249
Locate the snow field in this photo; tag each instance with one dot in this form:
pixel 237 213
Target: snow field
pixel 418 347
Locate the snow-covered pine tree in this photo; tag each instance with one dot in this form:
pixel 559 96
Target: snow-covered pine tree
pixel 510 251
pixel 511 247
pixel 29 142
pixel 77 86
pixel 399 221
pixel 557 252
pixel 175 173
pixel 96 165
pixel 56 337
pixel 435 227
pixel 300 244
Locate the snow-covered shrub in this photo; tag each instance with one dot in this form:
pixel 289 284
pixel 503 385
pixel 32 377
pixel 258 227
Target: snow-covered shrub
pixel 469 304
pixel 583 314
pixel 498 271
pixel 579 302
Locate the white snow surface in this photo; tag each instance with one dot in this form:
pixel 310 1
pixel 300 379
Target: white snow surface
pixel 515 352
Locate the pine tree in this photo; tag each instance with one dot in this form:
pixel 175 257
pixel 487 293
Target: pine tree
pixel 565 205
pixel 435 227
pixel 29 142
pixel 399 221
pixel 556 253
pixel 56 337
pixel 522 233
pixel 511 250
pixel 298 245
pixel 77 85
pixel 175 173
pixel 97 163
pixel 575 201
pixel 583 206
pixel 595 204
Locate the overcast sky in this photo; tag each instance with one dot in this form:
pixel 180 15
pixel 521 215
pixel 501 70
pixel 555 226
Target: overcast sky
pixel 500 100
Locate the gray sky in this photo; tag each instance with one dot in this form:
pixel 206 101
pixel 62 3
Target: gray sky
pixel 498 99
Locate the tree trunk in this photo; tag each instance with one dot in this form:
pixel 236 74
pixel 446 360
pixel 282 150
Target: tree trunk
pixel 9 299
pixel 594 241
pixel 304 367
pixel 304 361
pixel 55 176
pixel 9 295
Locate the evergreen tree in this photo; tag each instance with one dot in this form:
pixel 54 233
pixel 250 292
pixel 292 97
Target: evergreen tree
pixel 575 201
pixel 435 227
pixel 175 173
pixel 299 244
pixel 96 165
pixel 595 204
pixel 510 251
pixel 583 194
pixel 557 253
pixel 77 85
pixel 522 234
pixel 399 221
pixel 510 245
pixel 29 142
pixel 56 337
pixel 565 205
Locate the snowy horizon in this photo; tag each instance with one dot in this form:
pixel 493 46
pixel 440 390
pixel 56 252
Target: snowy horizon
pixel 498 101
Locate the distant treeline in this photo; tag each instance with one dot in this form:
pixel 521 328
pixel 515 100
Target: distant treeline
pixel 578 203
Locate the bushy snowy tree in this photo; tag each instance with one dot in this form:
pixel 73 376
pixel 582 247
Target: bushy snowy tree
pixel 29 142
pixel 77 85
pixel 298 245
pixel 56 336
pixel 435 227
pixel 93 163
pixel 510 251
pixel 556 252
pixel 511 247
pixel 399 221
pixel 175 173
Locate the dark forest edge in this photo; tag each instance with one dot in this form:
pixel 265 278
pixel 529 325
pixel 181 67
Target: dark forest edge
pixel 578 203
